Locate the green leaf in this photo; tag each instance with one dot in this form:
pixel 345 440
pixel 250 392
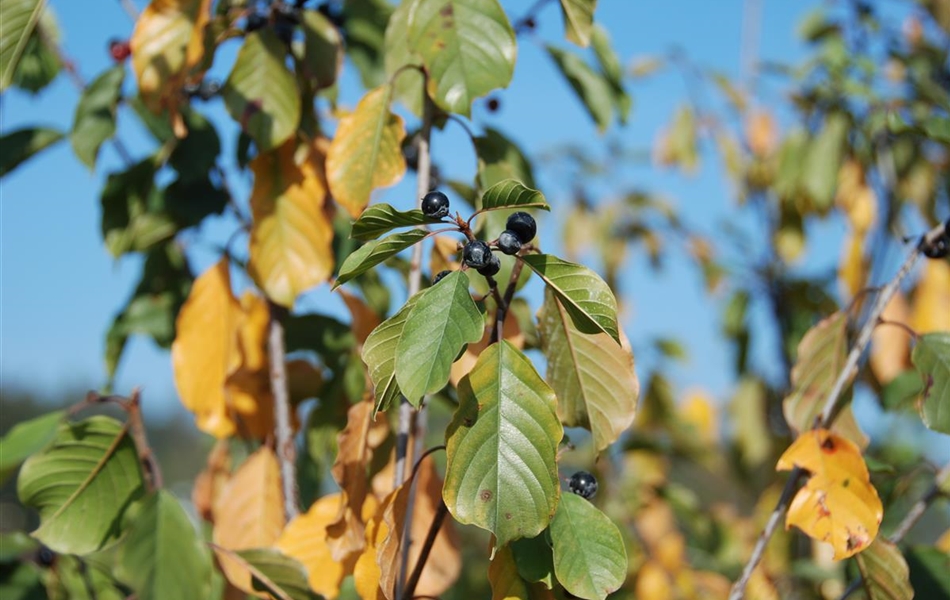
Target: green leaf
pixel 501 447
pixel 612 70
pixel 884 572
pixel 13 545
pixel 94 122
pixel 364 27
pixel 383 218
pixel 591 87
pixel 590 560
pixel 583 294
pixel 512 194
pixel 408 87
pixel 442 321
pixel 500 158
pixel 534 558
pixel 372 253
pixel 19 18
pixel 931 356
pixel 197 153
pixel 25 439
pixel 323 50
pixel 133 215
pixel 276 573
pixel 467 46
pixel 929 573
pixel 82 484
pixel 21 581
pixel 823 161
pixel 379 354
pixel 86 578
pixel 18 146
pixel 162 556
pixel 261 93
pixel 578 20
pixel 39 63
pixel 593 377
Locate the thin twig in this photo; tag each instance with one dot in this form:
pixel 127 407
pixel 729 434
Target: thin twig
pixel 832 406
pixel 153 470
pixel 498 330
pixel 437 521
pixel 286 452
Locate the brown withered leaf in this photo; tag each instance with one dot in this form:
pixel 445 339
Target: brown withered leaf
pixel 365 319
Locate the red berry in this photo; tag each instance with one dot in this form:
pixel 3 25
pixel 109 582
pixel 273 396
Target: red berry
pixel 119 50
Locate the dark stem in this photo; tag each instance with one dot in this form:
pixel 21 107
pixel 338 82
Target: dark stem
pixel 283 429
pixel 150 465
pixel 502 312
pixel 437 521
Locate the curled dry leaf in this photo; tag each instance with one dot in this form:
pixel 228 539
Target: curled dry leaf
pixel 838 505
pixel 365 319
pixel 211 480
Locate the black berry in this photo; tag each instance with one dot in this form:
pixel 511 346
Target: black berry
pixel 435 205
pixel 583 484
pixel 509 243
pixel 440 276
pixel 255 21
pixel 522 225
pixel 477 254
pixel 940 247
pixel 493 104
pixel 492 268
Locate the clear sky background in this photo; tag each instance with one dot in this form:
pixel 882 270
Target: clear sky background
pixel 60 289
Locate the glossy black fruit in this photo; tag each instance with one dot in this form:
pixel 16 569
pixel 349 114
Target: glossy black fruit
pixel 522 225
pixel 255 21
pixel 583 484
pixel 492 268
pixel 435 205
pixel 477 254
pixel 440 276
pixel 940 247
pixel 508 242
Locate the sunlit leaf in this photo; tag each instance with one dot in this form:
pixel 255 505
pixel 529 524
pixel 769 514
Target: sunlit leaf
pixel 578 20
pixel 323 49
pixel 19 18
pixel 593 377
pixel 838 504
pixel 590 560
pixel 272 574
pixel 82 484
pixel 890 344
pixel 408 86
pixel 25 439
pixel 379 354
pixel 931 356
pixel 930 310
pixel 441 322
pixel 499 158
pixel 383 218
pixel 583 294
pixel 291 236
pixel 261 93
pixel 18 146
pixel 305 540
pixel 248 395
pixel 884 572
pixel 372 253
pixel 510 193
pixel 162 556
pixel 366 152
pixel 592 89
pixel 467 46
pixel 501 473
pixel 133 218
pixel 94 122
pixel 821 356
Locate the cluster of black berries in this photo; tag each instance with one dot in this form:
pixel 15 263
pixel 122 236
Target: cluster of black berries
pixel 583 484
pixel 286 17
pixel 205 90
pixel 519 230
pixel 940 247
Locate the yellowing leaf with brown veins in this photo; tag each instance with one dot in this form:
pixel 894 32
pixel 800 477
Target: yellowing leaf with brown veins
pixel 204 350
pixel 168 41
pixel 931 308
pixel 356 443
pixel 291 237
pixel 838 504
pixel 249 513
pixel 890 344
pixel 305 539
pixel 852 271
pixel 366 152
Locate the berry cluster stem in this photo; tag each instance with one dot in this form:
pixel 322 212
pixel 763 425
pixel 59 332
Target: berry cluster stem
pixel 502 312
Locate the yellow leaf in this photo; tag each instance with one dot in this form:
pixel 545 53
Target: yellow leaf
pixel 167 43
pixel 856 198
pixel 292 236
pixel 249 513
pixel 931 309
pixel 444 254
pixel 761 133
pixel 653 582
pixel 211 481
pixel 366 152
pixel 249 395
pixel 204 350
pixel 852 272
pixel 890 344
pixel 943 543
pixel 699 411
pixel 838 504
pixel 305 539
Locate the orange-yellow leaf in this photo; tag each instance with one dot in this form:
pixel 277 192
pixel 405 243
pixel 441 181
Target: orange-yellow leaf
pixel 204 350
pixel 761 133
pixel 248 388
pixel 931 309
pixel 211 481
pixel 838 504
pixel 852 271
pixel 699 411
pixel 249 513
pixel 305 539
pixel 890 344
pixel 167 42
pixel 366 152
pixel 362 435
pixel 856 198
pixel 506 583
pixel 365 318
pixel 291 238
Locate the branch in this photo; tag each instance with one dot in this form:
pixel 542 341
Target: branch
pixel 286 452
pixel 498 329
pixel 833 403
pixel 135 425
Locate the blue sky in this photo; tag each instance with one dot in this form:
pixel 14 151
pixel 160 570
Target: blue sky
pixel 59 287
